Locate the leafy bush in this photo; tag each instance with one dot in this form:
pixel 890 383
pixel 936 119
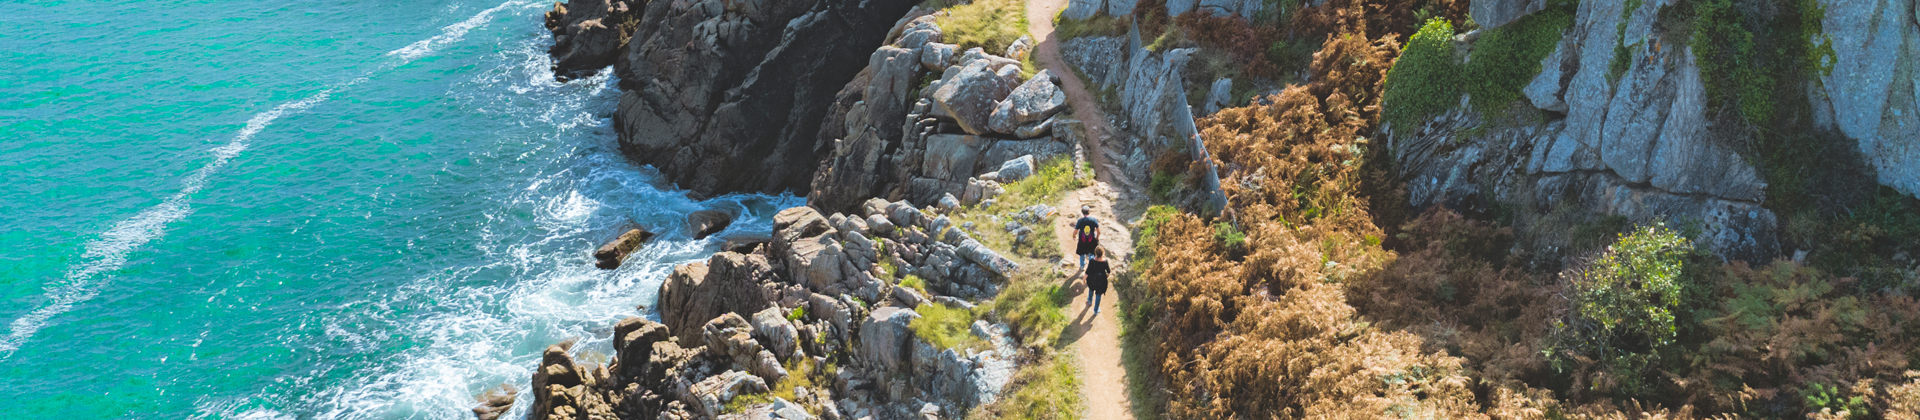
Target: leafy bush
pixel 988 24
pixel 1623 307
pixel 1424 80
pixel 1505 59
pixel 946 328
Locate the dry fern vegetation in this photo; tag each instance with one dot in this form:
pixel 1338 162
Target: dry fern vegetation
pixel 1317 294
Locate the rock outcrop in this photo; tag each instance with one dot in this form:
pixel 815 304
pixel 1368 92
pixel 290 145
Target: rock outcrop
pixel 1641 146
pixel 977 114
pixel 589 35
pixel 743 324
pixel 726 283
pixel 716 86
pixel 1873 93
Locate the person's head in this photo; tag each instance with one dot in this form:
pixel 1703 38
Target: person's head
pixel 1086 210
pixel 1100 253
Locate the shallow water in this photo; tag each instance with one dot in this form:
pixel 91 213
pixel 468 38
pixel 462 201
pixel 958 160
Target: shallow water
pixel 303 209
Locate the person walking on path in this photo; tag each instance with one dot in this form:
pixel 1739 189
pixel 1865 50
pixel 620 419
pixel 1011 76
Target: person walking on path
pixel 1087 231
pixel 1097 271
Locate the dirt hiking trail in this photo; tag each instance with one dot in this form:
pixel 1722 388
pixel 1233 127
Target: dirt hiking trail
pixel 1095 336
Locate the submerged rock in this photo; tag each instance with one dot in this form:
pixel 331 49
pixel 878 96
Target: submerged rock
pixel 702 223
pixel 613 253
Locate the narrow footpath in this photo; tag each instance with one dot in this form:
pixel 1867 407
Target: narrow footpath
pixel 1104 377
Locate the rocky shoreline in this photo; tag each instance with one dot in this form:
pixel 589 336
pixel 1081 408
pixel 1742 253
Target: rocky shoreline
pixel 821 310
pixel 817 322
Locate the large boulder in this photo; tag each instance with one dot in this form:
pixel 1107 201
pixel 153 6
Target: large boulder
pixel 730 337
pixel 741 84
pixel 886 338
pixel 970 94
pixel 770 326
pixel 728 282
pixel 633 340
pixel 1040 97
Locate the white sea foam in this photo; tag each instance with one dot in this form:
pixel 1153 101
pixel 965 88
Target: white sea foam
pixel 478 334
pixel 108 253
pixel 449 34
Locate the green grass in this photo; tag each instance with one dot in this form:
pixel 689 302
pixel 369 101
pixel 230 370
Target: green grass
pixel 991 25
pixel 1034 305
pixel 914 282
pixel 1098 25
pixel 800 374
pixel 1047 389
pixel 1505 59
pixel 1424 80
pixel 946 328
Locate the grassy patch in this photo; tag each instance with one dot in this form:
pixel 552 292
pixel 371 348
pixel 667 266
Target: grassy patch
pixel 1034 305
pixel 946 328
pixel 800 375
pixel 1098 25
pixel 1048 185
pixel 1046 389
pixel 1505 59
pixel 991 25
pixel 1423 81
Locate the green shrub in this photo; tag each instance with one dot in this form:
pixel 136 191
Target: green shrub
pixel 946 328
pixel 1230 238
pixel 1505 59
pixel 1423 82
pixel 797 313
pixel 991 25
pixel 1623 310
pixel 914 282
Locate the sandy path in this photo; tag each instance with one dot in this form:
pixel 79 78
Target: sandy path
pixel 1096 337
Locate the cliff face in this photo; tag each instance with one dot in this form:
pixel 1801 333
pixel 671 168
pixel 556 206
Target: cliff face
pixel 1639 146
pixel 887 139
pixel 1870 96
pixel 728 96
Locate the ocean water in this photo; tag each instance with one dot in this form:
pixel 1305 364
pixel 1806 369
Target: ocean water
pixel 308 209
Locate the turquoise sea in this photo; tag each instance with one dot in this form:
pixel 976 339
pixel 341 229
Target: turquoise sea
pixel 307 209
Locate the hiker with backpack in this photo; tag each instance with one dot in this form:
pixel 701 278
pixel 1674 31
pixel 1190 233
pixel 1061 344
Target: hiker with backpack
pixel 1087 230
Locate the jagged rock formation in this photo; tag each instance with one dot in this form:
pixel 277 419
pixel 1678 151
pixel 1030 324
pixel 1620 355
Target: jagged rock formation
pixel 1640 146
pixel 889 140
pixel 816 297
pixel 589 34
pixel 716 86
pixel 1873 94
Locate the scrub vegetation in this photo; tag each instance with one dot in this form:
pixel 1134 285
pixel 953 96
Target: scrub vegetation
pixel 1317 294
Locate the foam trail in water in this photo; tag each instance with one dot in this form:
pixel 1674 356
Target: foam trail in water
pixel 109 252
